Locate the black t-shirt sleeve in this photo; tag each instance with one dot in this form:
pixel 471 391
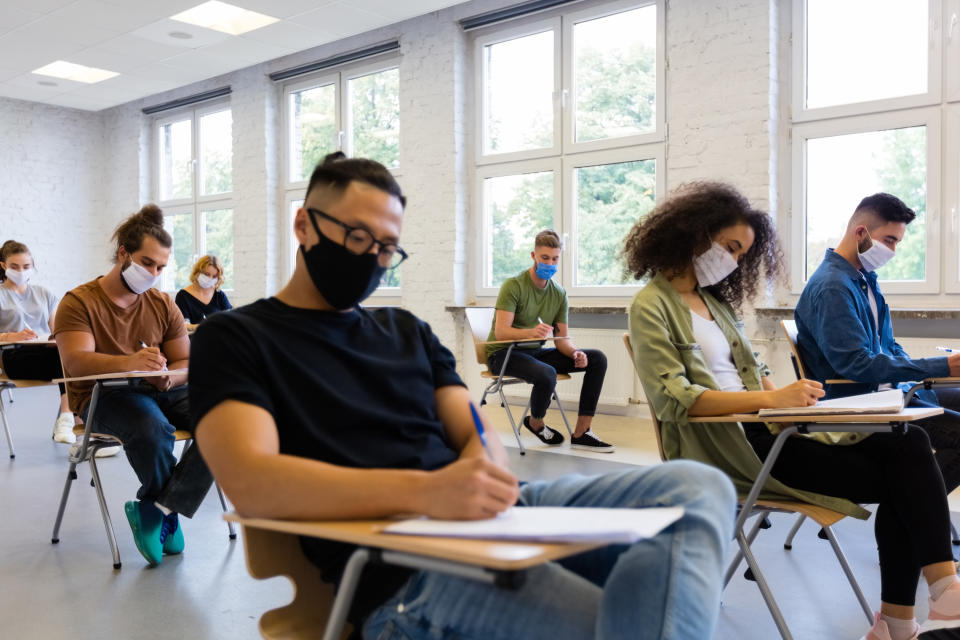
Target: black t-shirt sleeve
pixel 224 303
pixel 442 362
pixel 225 364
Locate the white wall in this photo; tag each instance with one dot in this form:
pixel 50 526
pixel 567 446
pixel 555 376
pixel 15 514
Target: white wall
pixel 51 191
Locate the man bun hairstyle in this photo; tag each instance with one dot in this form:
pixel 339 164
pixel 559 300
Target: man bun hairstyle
pixel 337 171
pixel 10 248
pixel 146 222
pixel 548 238
pixel 886 207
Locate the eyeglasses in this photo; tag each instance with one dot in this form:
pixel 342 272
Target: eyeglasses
pixel 359 241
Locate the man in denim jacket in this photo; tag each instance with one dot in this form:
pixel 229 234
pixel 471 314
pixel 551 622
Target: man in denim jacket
pixel 844 330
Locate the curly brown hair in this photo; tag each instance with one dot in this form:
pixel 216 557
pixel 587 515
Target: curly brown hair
pixel 683 226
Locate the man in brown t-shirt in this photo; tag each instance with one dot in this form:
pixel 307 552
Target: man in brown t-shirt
pixel 117 323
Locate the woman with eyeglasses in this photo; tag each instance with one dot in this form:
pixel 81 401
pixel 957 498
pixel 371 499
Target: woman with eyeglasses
pixel 203 296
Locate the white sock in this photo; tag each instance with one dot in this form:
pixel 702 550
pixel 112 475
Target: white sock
pixel 941 585
pixel 163 509
pixel 66 413
pixel 900 629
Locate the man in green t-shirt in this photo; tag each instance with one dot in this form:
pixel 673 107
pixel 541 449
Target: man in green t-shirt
pixel 531 306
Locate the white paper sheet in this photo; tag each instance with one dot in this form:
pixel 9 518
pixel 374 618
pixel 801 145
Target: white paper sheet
pixel 551 524
pixel 890 401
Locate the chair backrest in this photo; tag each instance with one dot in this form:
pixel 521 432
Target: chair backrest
pixel 272 553
pixel 790 330
pixel 480 320
pixel 653 414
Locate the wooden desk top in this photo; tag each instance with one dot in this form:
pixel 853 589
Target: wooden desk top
pixel 907 415
pixel 4 343
pixel 528 340
pixel 121 375
pixel 495 554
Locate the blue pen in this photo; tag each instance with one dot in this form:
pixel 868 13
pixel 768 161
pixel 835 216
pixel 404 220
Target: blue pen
pixel 479 425
pixel 947 349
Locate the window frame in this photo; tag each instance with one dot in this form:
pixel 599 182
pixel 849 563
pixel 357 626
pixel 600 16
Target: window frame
pixel 565 156
pixel 951 223
pixel 196 204
pixel 800 112
pixel 928 117
pixel 294 190
pixel 654 152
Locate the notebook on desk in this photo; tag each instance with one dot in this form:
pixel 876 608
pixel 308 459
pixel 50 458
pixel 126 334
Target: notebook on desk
pixel 889 401
pixel 551 524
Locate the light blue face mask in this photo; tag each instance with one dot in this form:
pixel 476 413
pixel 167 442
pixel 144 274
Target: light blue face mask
pixel 545 271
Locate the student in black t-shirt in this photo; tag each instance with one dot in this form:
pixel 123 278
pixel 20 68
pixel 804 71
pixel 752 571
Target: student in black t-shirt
pixel 308 406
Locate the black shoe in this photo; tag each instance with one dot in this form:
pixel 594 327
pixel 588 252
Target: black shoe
pixel 546 435
pixel 590 442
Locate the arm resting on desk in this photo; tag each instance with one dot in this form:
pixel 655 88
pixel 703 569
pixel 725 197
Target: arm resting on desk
pixel 802 393
pixel 240 443
pixel 79 356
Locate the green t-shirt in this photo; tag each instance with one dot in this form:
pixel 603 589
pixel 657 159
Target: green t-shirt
pixel 519 295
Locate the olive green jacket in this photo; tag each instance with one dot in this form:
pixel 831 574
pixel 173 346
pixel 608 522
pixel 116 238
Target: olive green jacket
pixel 674 373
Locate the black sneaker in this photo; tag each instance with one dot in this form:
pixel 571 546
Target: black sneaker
pixel 546 435
pixel 590 442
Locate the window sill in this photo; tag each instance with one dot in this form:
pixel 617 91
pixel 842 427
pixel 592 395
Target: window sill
pixel 782 313
pixel 583 310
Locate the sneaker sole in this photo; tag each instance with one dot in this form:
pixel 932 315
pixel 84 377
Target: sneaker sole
pixel 65 439
pixel 586 447
pixel 133 517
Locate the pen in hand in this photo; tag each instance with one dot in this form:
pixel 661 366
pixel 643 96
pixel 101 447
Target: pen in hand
pixel 144 345
pixel 480 431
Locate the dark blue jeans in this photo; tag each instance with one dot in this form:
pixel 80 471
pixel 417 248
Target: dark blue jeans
pixel 540 367
pixel 144 418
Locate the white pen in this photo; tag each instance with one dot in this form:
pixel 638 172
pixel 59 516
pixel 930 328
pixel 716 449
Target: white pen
pixel 948 350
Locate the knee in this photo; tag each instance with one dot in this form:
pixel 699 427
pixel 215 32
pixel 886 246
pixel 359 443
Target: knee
pixel 152 438
pixel 545 376
pixel 702 490
pixel 596 359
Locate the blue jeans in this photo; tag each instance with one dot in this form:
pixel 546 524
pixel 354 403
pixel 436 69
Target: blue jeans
pixel 665 587
pixel 144 418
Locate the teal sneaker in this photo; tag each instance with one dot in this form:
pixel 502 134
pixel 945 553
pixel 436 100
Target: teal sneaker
pixel 146 522
pixel 171 535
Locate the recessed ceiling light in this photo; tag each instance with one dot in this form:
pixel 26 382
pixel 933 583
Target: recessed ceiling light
pixel 47 83
pixel 224 17
pixel 180 35
pixel 75 72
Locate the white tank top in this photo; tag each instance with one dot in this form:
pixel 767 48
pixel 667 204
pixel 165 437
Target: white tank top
pixel 716 351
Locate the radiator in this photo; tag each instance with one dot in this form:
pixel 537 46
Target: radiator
pixel 620 387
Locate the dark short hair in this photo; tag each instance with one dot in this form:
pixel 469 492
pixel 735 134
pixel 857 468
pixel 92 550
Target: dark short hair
pixel 888 207
pixel 337 171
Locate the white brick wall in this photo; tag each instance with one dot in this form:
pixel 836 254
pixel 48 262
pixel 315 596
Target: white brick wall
pixel 51 190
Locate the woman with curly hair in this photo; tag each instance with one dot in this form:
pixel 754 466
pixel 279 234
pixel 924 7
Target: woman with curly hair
pixel 706 252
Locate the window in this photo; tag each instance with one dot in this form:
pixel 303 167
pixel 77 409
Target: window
pixel 867 118
pixel 195 189
pixel 571 128
pixel 356 110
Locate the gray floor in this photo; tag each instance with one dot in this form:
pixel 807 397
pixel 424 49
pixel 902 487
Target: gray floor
pixel 70 590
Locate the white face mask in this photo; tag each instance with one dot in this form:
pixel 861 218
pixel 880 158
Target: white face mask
pixel 876 256
pixel 713 265
pixel 19 278
pixel 138 278
pixel 206 281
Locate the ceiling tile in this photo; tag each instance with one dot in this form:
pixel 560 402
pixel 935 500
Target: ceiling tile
pixel 12 17
pixel 246 52
pixel 80 102
pixel 121 17
pixel 341 19
pixel 139 49
pixel 281 8
pixel 107 59
pixel 23 51
pixel 39 6
pixel 6 74
pixel 288 35
pixel 33 80
pixel 157 9
pixel 394 11
pixel 36 94
pixel 53 29
pixel 160 31
pixel 179 75
pixel 205 64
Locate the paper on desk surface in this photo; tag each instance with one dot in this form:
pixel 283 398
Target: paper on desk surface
pixel 551 524
pixel 890 401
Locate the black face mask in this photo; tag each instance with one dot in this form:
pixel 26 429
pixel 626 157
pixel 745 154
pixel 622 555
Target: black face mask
pixel 341 277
